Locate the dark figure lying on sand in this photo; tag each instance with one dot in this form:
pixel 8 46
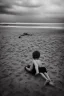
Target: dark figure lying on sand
pixel 38 68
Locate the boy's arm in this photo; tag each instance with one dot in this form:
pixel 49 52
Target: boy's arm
pixel 30 68
pixel 36 67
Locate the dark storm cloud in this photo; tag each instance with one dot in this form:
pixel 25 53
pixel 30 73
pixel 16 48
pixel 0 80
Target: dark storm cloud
pixel 19 6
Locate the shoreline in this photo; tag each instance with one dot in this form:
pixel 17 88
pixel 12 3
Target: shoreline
pixel 32 25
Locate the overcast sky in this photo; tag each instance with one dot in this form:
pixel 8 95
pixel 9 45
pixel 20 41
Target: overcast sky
pixel 34 8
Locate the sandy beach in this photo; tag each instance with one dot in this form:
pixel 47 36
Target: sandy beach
pixel 16 52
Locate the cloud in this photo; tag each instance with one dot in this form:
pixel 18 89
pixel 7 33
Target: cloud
pixel 20 6
pixel 50 7
pixel 33 7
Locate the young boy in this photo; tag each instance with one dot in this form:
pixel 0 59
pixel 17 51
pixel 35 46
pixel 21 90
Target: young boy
pixel 38 68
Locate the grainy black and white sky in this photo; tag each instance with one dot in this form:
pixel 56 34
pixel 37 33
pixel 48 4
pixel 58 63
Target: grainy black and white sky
pixel 32 9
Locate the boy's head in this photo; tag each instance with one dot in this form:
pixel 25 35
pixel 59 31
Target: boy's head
pixel 36 55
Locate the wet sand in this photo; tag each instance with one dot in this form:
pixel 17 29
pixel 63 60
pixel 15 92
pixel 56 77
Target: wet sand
pixel 16 53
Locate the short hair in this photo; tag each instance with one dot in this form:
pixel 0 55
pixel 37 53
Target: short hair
pixel 36 55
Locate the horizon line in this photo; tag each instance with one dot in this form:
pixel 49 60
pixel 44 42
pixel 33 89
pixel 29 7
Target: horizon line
pixel 27 23
pixel 44 27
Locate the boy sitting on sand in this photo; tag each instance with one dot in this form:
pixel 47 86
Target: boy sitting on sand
pixel 38 68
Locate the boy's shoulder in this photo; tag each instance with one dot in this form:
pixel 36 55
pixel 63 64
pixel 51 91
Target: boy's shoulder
pixel 37 61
